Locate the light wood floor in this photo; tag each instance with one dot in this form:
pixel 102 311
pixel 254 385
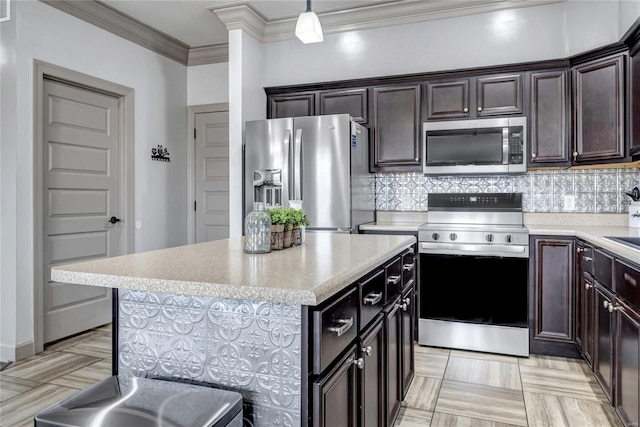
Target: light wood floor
pixel 451 389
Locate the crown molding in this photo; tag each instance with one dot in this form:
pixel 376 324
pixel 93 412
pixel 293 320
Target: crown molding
pixel 110 19
pixel 209 54
pixel 245 17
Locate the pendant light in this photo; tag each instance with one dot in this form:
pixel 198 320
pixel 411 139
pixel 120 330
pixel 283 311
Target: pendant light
pixel 308 28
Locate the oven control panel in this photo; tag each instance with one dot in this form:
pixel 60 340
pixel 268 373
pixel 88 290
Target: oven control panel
pixel 459 236
pixel 475 201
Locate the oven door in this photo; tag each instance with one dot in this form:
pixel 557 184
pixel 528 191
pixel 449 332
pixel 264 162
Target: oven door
pixel 474 302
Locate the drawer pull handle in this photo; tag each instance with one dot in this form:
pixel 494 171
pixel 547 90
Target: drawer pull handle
pixel 605 304
pixel 373 298
pixel 394 280
pixel 613 308
pixel 587 258
pixel 368 350
pixel 345 325
pixel 407 301
pixel 408 267
pixel 629 279
pixel 588 286
pixel 359 362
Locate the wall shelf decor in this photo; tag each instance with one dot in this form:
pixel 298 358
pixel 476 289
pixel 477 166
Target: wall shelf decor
pixel 161 154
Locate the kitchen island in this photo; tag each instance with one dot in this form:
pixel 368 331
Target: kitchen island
pixel 273 326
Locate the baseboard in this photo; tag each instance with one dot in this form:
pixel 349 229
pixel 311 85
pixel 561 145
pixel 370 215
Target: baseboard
pixel 13 353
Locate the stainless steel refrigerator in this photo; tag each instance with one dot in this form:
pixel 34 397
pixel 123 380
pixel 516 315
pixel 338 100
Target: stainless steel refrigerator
pixel 321 160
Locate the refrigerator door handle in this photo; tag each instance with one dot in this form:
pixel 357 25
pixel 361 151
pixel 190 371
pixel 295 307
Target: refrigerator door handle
pixel 297 166
pixel 286 168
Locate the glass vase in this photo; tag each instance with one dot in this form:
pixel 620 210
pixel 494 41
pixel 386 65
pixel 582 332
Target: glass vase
pixel 257 230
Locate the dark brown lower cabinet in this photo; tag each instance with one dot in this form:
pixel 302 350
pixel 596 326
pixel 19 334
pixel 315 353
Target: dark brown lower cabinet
pixel 603 336
pixel 551 296
pixel 627 364
pixel 335 396
pixel 372 375
pixel 587 316
pixel 393 341
pixel 408 326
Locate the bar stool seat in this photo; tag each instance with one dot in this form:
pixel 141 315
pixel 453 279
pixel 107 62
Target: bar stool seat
pixel 142 402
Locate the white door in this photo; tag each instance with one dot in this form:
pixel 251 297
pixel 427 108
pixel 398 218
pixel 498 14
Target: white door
pixel 81 184
pixel 212 176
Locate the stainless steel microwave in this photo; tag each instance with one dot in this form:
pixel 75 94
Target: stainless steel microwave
pixel 475 147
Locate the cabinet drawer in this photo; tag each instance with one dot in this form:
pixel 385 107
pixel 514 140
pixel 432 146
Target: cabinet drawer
pixel 371 297
pixel 408 268
pixel 393 272
pixel 603 268
pixel 334 327
pixel 627 280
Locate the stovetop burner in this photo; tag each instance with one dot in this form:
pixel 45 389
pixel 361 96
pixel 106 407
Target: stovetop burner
pixel 485 223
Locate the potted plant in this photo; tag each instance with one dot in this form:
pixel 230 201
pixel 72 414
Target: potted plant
pixel 300 221
pixel 278 222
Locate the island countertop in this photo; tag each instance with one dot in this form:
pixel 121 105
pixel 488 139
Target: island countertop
pixel 307 274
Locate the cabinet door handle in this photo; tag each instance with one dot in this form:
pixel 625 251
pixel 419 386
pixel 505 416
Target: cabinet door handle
pixel 587 258
pixel 359 362
pixel 373 298
pixel 407 301
pixel 368 350
pixel 534 155
pixel 588 286
pixel 479 109
pixel 465 110
pixel 402 306
pixel 575 155
pixel 629 279
pixel 408 267
pixel 580 250
pixel 605 304
pixel 613 308
pixel 394 280
pixel 345 325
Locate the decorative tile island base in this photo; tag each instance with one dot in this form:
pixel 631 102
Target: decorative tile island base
pixel 250 323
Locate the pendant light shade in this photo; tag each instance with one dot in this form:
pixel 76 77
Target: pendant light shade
pixel 308 28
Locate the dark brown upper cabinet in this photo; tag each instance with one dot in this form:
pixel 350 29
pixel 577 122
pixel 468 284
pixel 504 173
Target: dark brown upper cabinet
pixel 396 127
pixel 447 99
pixel 474 97
pixel 598 110
pixel 292 105
pixel 634 99
pixel 354 102
pixel 549 118
pixel 499 95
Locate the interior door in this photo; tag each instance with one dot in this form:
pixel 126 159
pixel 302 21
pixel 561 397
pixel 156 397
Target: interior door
pixel 212 176
pixel 81 193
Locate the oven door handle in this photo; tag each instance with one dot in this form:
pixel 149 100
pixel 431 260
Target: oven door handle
pixel 471 249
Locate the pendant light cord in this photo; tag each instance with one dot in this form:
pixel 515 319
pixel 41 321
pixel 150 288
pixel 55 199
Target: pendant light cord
pixel 308 6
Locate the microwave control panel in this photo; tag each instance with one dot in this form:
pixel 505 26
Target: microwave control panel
pixel 516 155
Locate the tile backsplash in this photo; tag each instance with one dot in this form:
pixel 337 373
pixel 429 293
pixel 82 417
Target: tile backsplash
pixel 593 190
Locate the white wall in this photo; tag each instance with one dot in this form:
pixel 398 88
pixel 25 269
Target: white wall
pixel 517 35
pixel 208 84
pixel 8 129
pixel 160 85
pixel 247 101
pixel 628 13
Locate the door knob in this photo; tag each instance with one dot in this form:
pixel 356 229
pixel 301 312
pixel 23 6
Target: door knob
pixel 113 220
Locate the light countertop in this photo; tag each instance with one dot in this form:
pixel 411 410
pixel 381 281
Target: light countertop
pixel 590 227
pixel 307 274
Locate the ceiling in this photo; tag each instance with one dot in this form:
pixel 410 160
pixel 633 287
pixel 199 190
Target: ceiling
pixel 197 23
pixel 194 23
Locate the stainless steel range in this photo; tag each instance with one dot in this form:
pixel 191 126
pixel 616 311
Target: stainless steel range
pixel 474 259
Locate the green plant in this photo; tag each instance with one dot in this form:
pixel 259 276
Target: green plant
pixel 288 217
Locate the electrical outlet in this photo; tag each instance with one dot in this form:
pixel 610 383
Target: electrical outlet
pixel 569 203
